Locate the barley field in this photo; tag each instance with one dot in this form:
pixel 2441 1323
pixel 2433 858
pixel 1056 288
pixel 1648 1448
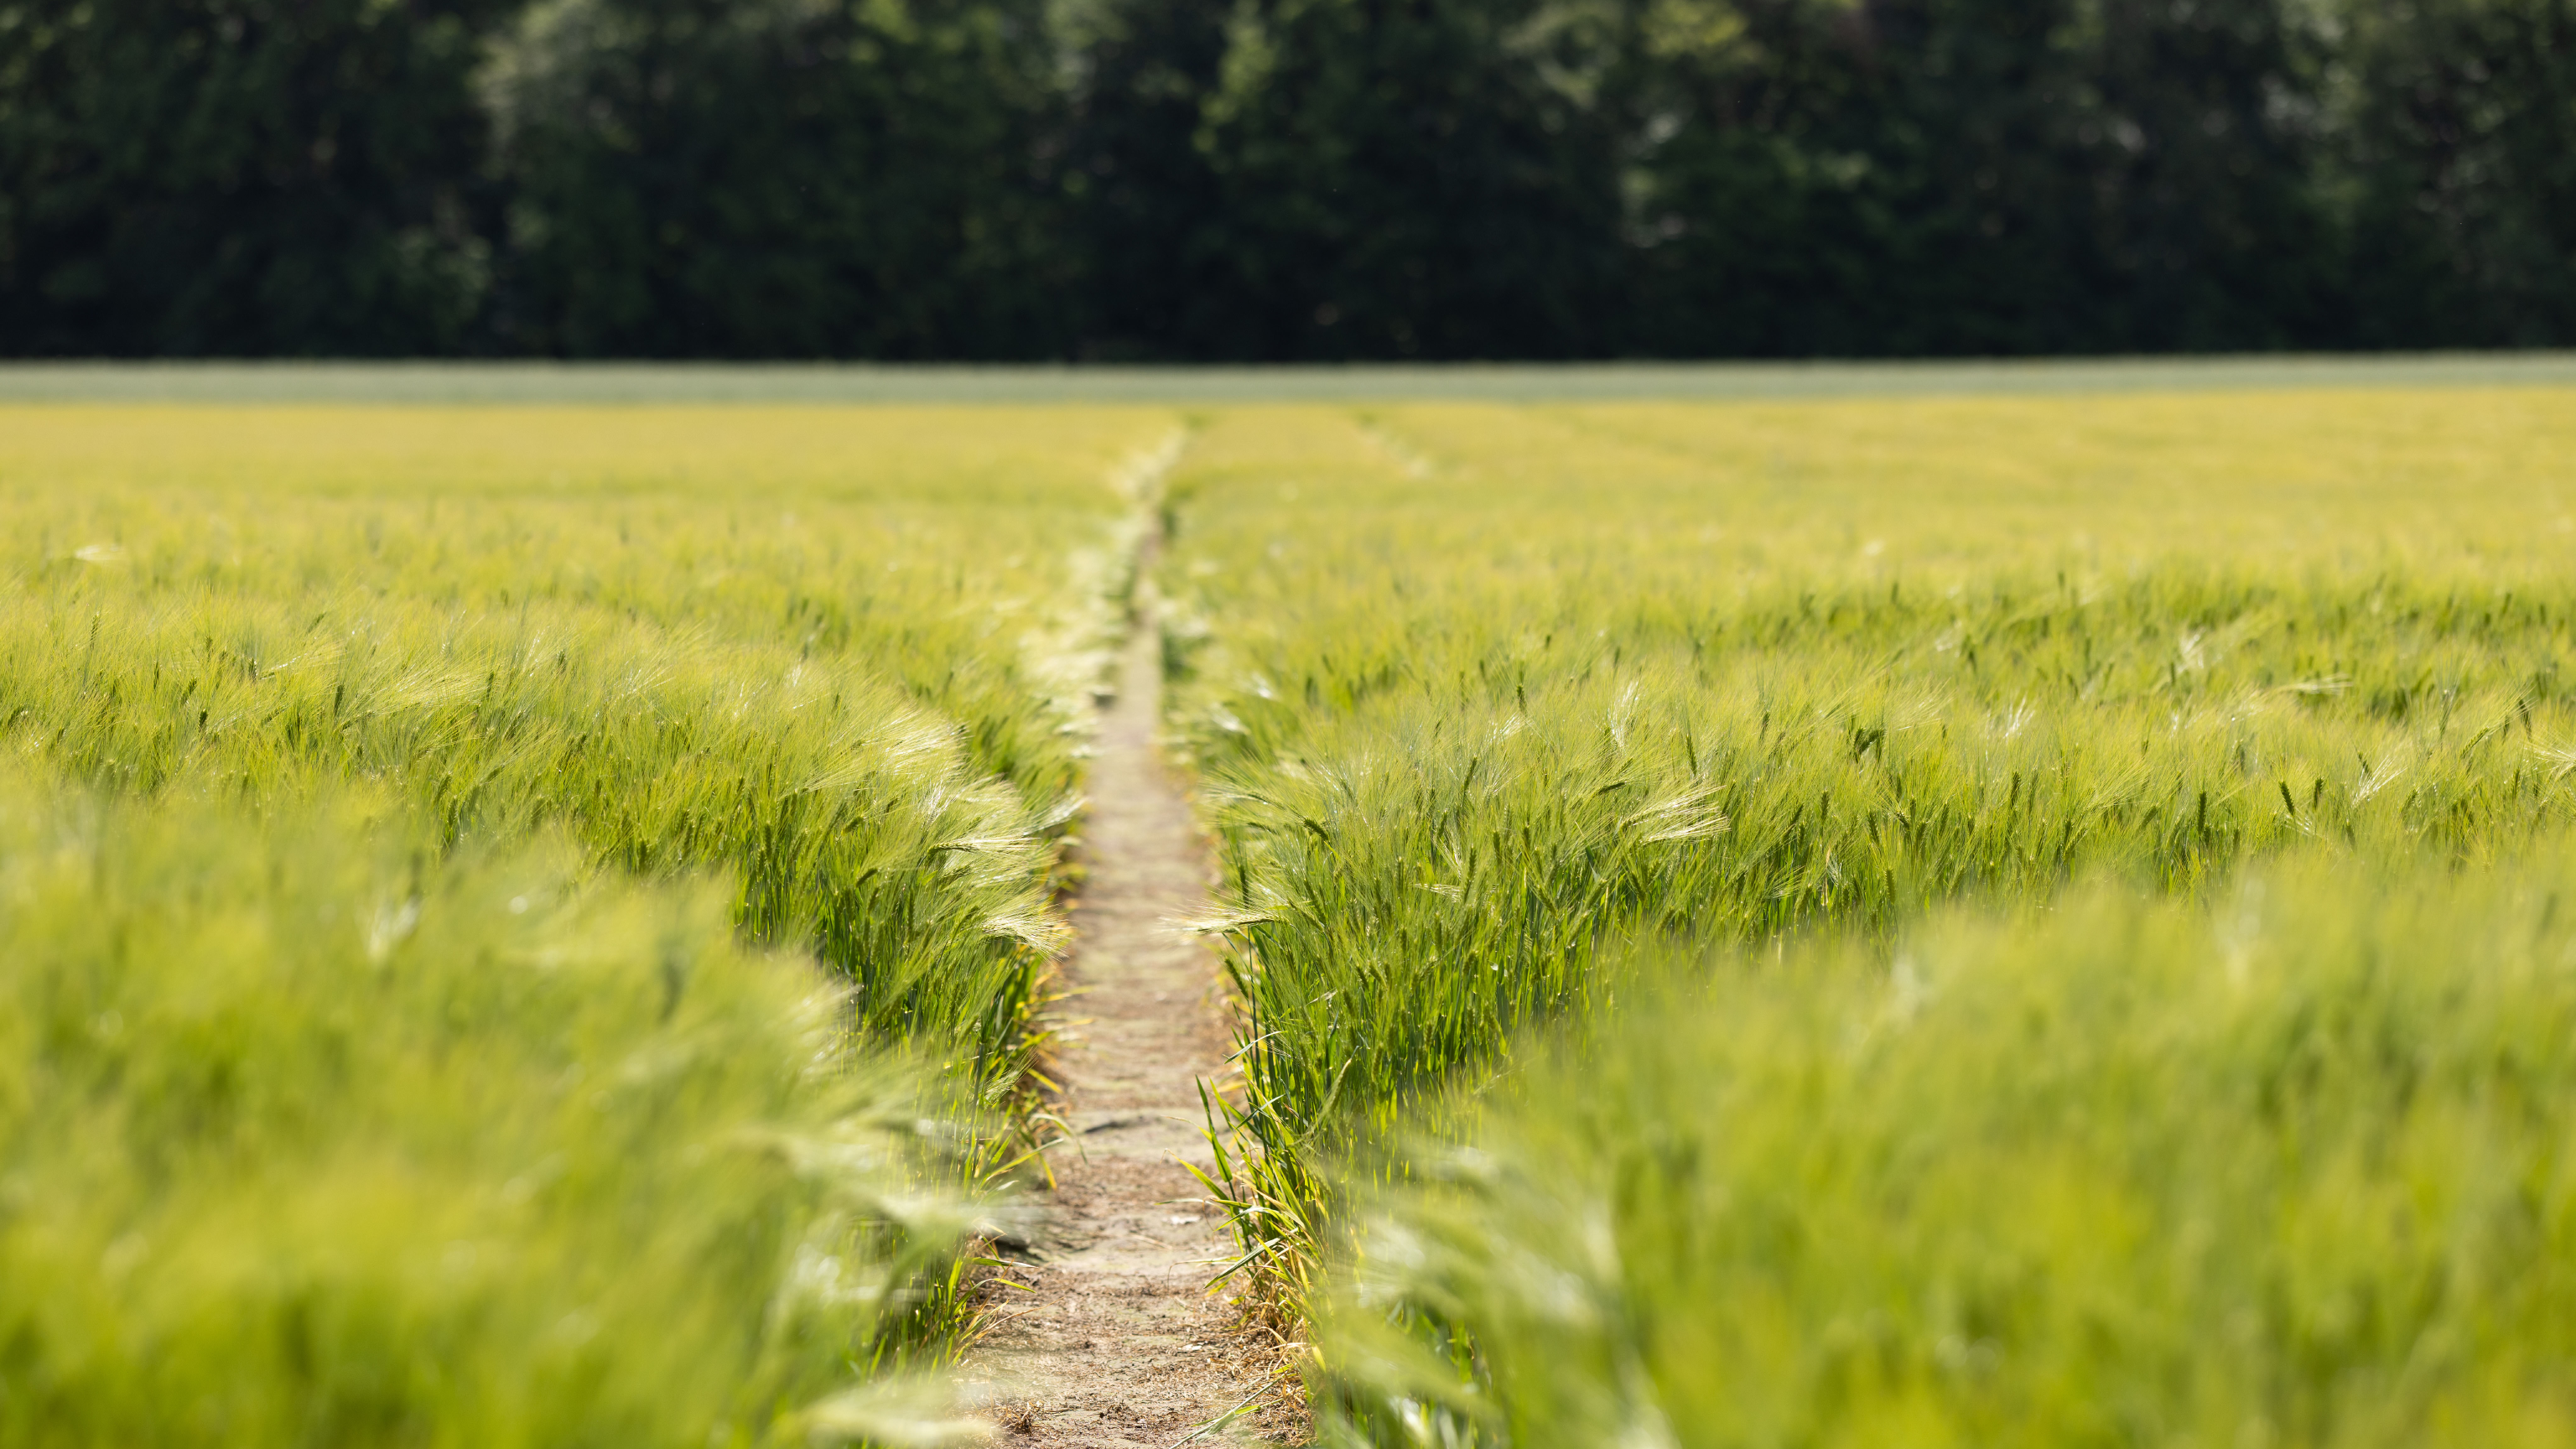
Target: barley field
pixel 2001 906
pixel 523 923
pixel 1752 921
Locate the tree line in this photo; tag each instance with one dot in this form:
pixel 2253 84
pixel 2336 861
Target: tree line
pixel 1282 179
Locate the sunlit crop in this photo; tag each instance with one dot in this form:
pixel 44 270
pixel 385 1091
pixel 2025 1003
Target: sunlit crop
pixel 2291 1170
pixel 1489 700
pixel 494 896
pixel 1985 919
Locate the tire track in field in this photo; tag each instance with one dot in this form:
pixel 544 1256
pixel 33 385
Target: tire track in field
pixel 1119 1343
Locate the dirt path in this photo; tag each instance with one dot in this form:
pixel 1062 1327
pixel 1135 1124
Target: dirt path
pixel 1120 1344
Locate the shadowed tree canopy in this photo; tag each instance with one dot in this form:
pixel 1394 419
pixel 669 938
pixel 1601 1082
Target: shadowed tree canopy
pixel 248 177
pixel 1283 179
pixel 776 178
pixel 1400 178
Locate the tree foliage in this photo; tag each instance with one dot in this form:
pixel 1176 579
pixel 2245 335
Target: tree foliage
pixel 241 176
pixel 776 178
pixel 1283 179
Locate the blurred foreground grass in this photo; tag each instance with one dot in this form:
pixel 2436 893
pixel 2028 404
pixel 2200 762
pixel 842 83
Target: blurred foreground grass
pixel 307 1142
pixel 1493 702
pixel 2292 1170
pixel 1746 916
pixel 522 925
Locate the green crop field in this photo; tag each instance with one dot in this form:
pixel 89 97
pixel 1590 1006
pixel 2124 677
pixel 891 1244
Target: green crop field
pixel 420 833
pixel 1693 871
pixel 1997 907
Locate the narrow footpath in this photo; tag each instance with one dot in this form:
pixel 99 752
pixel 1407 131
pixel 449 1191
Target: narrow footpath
pixel 1120 1344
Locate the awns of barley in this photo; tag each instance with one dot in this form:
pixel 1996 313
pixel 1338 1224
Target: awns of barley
pixel 523 924
pixel 1753 686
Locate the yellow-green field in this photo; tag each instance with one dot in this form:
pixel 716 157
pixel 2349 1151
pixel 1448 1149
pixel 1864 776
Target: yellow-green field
pixel 1854 738
pixel 1969 919
pixel 490 894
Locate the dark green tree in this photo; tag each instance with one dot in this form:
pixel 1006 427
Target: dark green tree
pixel 1142 194
pixel 240 177
pixel 2457 120
pixel 1758 207
pixel 1977 176
pixel 781 178
pixel 2202 152
pixel 1283 179
pixel 1409 178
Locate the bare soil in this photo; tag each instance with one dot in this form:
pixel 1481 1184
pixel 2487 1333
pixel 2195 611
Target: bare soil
pixel 1118 1340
